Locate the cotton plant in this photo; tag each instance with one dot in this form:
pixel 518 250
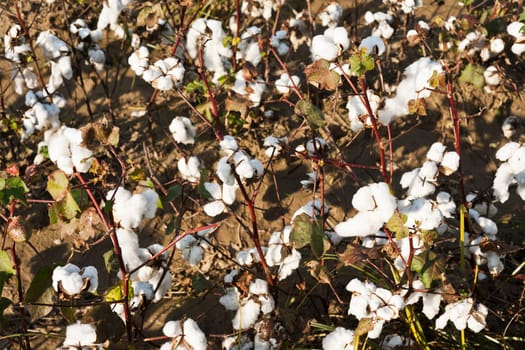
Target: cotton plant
pixel 221 197
pixel 65 148
pixel 185 335
pixel 331 15
pixel 42 114
pixel 464 314
pixel 249 257
pixel 251 89
pixel 286 82
pixel 492 76
pixel 81 336
pixel 73 280
pixel 139 60
pixel 23 78
pixel 415 84
pixel 383 21
pixel 510 171
pixel 193 246
pixel 165 74
pixel 209 34
pixel 130 209
pixel 281 253
pixel 330 44
pixel 378 304
pixel 375 205
pixel 249 308
pixel 15 46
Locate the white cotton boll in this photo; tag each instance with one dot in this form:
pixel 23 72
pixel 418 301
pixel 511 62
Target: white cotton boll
pixel 224 171
pixel 331 15
pixel 289 264
pixel 360 225
pixel 359 306
pixel 494 263
pixel 363 199
pixel 231 300
pixel 492 76
pixel 339 37
pixel 243 165
pixel 172 329
pixel 431 302
pixel 214 208
pixel 91 273
pixel 81 157
pixel 190 169
pixel 228 144
pixel 450 162
pixel 428 170
pixel 231 276
pixel 214 189
pixel 151 74
pixel 193 335
pixel 378 328
pixel 162 83
pixel 383 29
pixel 249 256
pixel 373 44
pixel 229 193
pixel 316 146
pixel 274 145
pixel 386 202
pixel 267 304
pixel 502 181
pixel 510 127
pixel 258 287
pixel 408 178
pixel 339 339
pixel 488 226
pixel 435 153
pixel 246 315
pixel 161 287
pixel 64 64
pixel 323 48
pixel 183 130
pixel 152 200
pixel 79 334
pixel 446 205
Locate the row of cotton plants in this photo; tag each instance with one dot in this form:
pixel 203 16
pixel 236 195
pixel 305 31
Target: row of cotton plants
pixel 216 83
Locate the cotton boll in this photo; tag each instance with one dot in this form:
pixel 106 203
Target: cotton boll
pixel 488 226
pixel 492 76
pixel 172 329
pixel 229 193
pixel 193 335
pixel 507 151
pixel 339 339
pixel 190 169
pixel 90 273
pixel 228 144
pixel 373 44
pixel 79 334
pixel 161 286
pixel 274 145
pixel 231 300
pixel 450 162
pixel 445 204
pixel 224 171
pixel 363 199
pixel 162 83
pixel 429 170
pixel 511 126
pixel 214 208
pixel 323 48
pixel 331 15
pixel 360 225
pixel 246 315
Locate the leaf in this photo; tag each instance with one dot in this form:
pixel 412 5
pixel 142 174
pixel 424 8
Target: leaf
pixel 430 265
pixel 473 74
pixel 355 254
pixel 6 265
pixel 67 208
pixel 417 106
pixel 39 311
pixel 40 283
pixel 319 75
pixel 200 283
pixel 13 188
pixel 57 185
pixel 311 113
pixel 69 313
pixel 307 231
pixel 437 80
pixel 361 62
pixel 173 193
pixel 110 261
pixel 114 293
pixel 396 224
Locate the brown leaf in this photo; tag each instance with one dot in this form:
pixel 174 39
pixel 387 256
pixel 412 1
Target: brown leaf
pixel 319 75
pixel 354 254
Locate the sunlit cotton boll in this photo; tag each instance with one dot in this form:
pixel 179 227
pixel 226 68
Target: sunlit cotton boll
pixel 246 315
pixel 190 168
pixel 274 145
pixel 79 334
pixel 373 45
pixel 339 339
pixel 285 83
pixel 330 45
pixel 183 130
pixel 516 30
pixel 357 111
pixel 463 314
pixel 72 279
pixel 492 76
pixel 65 149
pixel 187 334
pixel 139 60
pixel 450 162
pixel 331 15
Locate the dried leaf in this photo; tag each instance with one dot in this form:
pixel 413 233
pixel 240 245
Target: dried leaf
pixel 473 74
pixel 319 75
pixel 311 113
pixel 396 224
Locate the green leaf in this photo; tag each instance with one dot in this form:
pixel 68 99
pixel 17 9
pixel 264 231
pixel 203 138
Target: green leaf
pixel 311 113
pixel 114 293
pixel 522 16
pixel 6 265
pixel 202 189
pixel 110 261
pixel 473 74
pixel 396 224
pixel 68 207
pixel 307 231
pixel 13 188
pixel 429 265
pixel 40 283
pixel 57 185
pixel 361 62
pixel 200 283
pixel 69 313
pixel 173 193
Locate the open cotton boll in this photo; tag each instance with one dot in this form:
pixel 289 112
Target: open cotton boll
pixel 323 48
pixel 492 76
pixel 373 44
pixel 79 334
pixel 289 264
pixel 214 208
pixel 230 300
pixel 450 162
pixel 183 130
pixel 339 339
pixel 331 15
pixel 285 83
pixel 228 144
pixel 357 111
pixel 274 145
pixel 362 224
pixel 516 30
pixel 246 315
pixel 190 169
pixel 414 85
pixel 463 314
pixel 52 47
pixel 248 257
pixel 510 128
pixel 503 179
pixel 139 60
pixel 445 204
